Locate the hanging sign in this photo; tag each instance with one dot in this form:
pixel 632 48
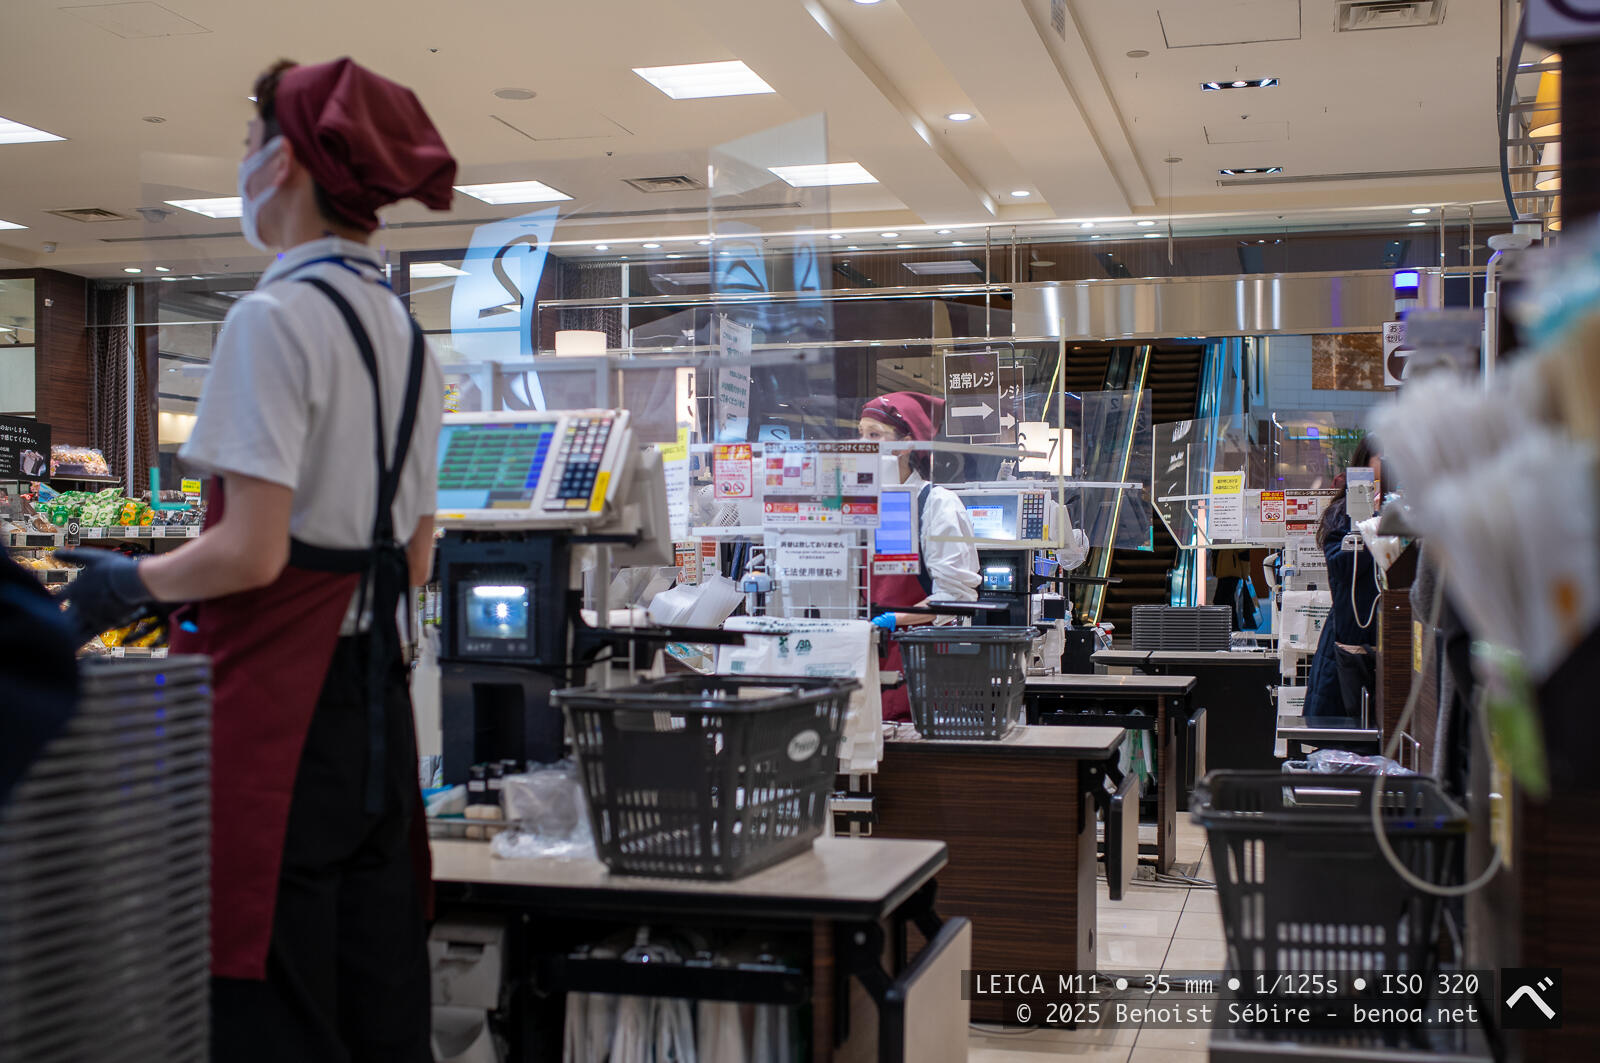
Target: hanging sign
pixel 733 383
pixel 730 471
pixel 1558 21
pixel 1055 443
pixel 810 556
pixel 1395 353
pixel 972 394
pixel 1227 506
pixel 821 483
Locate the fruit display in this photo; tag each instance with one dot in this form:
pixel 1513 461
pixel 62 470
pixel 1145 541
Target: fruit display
pixel 147 633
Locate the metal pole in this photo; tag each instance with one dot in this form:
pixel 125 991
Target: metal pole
pixel 132 382
pixel 988 280
pixel 1472 255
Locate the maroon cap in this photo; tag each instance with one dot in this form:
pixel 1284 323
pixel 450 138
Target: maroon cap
pixel 364 139
pixel 913 414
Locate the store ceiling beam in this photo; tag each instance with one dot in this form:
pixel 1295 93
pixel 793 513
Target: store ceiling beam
pixel 802 53
pixel 1022 89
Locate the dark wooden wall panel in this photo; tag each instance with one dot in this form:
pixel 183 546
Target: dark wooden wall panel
pixel 62 373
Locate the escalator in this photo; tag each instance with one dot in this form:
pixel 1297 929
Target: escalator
pixel 1173 377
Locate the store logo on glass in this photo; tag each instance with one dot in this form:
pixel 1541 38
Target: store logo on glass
pixel 1530 998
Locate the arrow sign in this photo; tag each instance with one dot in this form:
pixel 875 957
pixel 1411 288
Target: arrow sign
pixel 1007 421
pixel 972 394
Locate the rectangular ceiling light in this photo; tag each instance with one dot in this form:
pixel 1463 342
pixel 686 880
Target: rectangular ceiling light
pixel 221 207
pixel 698 81
pixel 942 269
pixel 826 173
pixel 1249 83
pixel 513 192
pixel 10 225
pixel 17 133
pixel 431 270
pixel 1243 171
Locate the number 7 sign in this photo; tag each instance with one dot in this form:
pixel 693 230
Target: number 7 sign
pixel 1055 443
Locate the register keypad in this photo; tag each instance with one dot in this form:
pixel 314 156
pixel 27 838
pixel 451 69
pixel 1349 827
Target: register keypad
pixel 582 448
pixel 1032 515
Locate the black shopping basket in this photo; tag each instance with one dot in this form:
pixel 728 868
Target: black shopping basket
pixel 707 777
pixel 965 682
pixel 1301 881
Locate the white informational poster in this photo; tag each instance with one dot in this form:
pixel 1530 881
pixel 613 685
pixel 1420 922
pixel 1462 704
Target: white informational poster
pixel 733 383
pixel 1272 508
pixel 1308 556
pixel 811 484
pixel 731 471
pixel 807 555
pixel 1291 704
pixel 1226 520
pixel 1395 353
pixel 1055 443
pixel 833 648
pixel 675 466
pixel 1304 613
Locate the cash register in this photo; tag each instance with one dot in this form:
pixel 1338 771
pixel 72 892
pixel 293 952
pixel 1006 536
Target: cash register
pixel 1005 521
pixel 517 493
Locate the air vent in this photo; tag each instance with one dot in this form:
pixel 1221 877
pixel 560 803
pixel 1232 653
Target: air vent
pixel 1388 14
pixel 675 183
pixel 89 214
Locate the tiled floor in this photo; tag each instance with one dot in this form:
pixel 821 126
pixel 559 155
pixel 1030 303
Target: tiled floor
pixel 1153 928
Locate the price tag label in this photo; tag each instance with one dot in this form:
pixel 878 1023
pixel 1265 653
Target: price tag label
pixel 73 532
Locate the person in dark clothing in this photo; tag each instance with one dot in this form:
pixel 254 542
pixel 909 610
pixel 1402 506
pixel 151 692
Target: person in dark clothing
pixel 1353 583
pixel 39 674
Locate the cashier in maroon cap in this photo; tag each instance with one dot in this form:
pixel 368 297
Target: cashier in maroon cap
pixel 318 424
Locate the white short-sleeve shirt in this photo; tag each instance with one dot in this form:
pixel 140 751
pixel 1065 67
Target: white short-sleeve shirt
pixel 288 400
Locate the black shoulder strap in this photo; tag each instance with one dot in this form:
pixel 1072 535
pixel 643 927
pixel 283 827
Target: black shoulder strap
pixel 388 472
pixel 923 575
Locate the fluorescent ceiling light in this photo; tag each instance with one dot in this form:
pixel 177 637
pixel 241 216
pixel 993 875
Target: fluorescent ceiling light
pixel 1152 236
pixel 1021 193
pixel 945 232
pixel 1415 224
pixel 942 269
pixel 1237 171
pixel 959 116
pixel 650 247
pixel 1145 224
pixel 836 236
pixel 132 269
pixel 429 270
pixel 1096 236
pixel 1422 210
pixel 904 246
pixel 824 174
pixel 888 236
pixel 17 133
pixel 602 247
pixel 674 256
pixel 221 207
pixel 707 243
pixel 698 81
pixel 958 243
pixel 10 225
pixel 163 269
pixel 685 280
pixel 513 192
pixel 1086 225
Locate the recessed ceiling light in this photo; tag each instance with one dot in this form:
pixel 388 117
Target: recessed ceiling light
pixel 500 192
pixel 132 269
pixel 707 243
pixel 674 256
pixel 943 269
pixel 163 269
pixel 220 207
pixel 1422 210
pixel 11 225
pixel 946 232
pixel 1415 224
pixel 836 236
pixel 959 116
pixel 602 247
pixel 1086 225
pixel 650 247
pixel 1239 171
pixel 958 243
pixel 430 270
pixel 888 236
pixel 824 174
pixel 1138 53
pixel 867 3
pixel 852 247
pixel 698 81
pixel 1021 193
pixel 1152 236
pixel 171 279
pixel 515 94
pixel 903 246
pixel 1145 224
pixel 1096 236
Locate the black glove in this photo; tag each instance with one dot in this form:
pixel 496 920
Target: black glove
pixel 106 594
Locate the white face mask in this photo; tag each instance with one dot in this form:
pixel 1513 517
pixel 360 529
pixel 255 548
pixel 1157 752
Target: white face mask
pixel 250 219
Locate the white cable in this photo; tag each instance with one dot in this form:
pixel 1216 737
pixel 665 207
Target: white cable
pixel 1393 747
pixel 1355 574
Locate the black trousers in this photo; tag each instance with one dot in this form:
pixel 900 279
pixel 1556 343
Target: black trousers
pixel 347 972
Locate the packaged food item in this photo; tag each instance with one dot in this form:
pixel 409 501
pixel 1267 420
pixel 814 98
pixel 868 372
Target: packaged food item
pixel 69 460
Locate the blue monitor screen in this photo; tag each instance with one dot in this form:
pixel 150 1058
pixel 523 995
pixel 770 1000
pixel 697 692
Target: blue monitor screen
pixel 894 529
pixel 492 466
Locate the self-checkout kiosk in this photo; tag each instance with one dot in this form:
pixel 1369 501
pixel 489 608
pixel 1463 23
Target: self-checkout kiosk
pixel 518 495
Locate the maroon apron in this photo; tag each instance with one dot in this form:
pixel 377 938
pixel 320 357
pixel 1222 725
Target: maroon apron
pixel 270 649
pixel 896 594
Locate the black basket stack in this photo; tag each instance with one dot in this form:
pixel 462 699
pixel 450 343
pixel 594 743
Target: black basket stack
pixel 1301 881
pixel 965 682
pixel 105 871
pixel 1194 628
pixel 708 777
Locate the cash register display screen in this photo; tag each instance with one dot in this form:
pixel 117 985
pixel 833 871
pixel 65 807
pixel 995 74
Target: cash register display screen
pixel 893 536
pixel 1000 577
pixel 496 610
pixel 993 516
pixel 492 466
